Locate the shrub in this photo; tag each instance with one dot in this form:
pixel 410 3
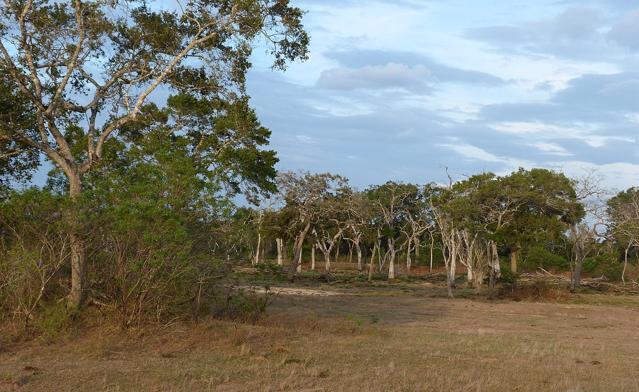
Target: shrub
pixel 540 257
pixel 604 264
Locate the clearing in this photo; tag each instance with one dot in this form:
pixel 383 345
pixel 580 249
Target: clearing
pixel 326 338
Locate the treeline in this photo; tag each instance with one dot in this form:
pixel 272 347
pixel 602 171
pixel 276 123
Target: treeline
pixel 526 221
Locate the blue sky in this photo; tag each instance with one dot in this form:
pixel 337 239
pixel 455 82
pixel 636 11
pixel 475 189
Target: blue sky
pixel 402 89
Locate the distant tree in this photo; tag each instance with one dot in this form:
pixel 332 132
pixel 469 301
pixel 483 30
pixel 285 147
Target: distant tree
pixel 86 70
pixel 546 204
pixel 623 218
pixel 393 203
pixel 304 195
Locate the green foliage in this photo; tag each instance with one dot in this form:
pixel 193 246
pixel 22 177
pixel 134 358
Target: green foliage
pixel 507 276
pixel 605 264
pixel 540 257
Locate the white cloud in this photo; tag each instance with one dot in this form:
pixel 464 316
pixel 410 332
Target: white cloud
pixel 375 77
pixel 584 132
pixel 550 148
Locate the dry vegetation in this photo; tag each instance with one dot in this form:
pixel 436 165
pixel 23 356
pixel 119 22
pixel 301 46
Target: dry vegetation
pixel 382 337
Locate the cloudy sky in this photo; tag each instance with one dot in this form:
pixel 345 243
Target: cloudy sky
pixel 403 89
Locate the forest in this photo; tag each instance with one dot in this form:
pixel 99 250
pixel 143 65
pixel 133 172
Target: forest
pixel 163 205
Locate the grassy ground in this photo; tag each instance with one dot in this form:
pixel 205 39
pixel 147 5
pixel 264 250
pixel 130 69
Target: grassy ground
pixel 345 337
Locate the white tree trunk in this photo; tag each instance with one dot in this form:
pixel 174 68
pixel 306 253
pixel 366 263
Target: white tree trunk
pixel 256 260
pixel 359 256
pixel 279 245
pixel 408 259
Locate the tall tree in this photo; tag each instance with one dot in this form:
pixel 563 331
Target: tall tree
pixel 89 68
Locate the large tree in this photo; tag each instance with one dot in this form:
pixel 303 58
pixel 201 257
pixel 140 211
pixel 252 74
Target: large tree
pixel 88 68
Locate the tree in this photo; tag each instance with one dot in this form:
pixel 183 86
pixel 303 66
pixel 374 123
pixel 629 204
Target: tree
pixel 17 159
pixel 393 203
pixel 623 219
pixel 88 68
pixel 546 204
pixel 358 210
pixel 303 195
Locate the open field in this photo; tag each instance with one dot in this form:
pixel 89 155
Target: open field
pixel 401 337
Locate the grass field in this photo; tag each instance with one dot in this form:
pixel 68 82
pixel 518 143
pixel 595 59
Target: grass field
pixel 397 337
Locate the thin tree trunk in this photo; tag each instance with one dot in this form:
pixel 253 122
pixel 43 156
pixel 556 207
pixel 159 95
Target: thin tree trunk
pixel 408 260
pixel 371 265
pixel 297 256
pixel 257 251
pixel 432 246
pixel 327 260
pixel 279 245
pixel 391 264
pixel 514 256
pixel 78 249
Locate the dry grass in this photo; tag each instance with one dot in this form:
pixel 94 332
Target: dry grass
pixel 369 340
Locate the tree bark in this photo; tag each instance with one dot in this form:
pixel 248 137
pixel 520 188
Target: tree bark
pixel 359 256
pixel 391 264
pixel 432 246
pixel 257 251
pixel 327 262
pixel 279 245
pixel 514 256
pixel 78 248
pixel 297 256
pixel 371 266
pixel 408 259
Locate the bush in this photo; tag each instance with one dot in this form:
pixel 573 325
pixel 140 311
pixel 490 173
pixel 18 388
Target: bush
pixel 34 251
pixel 540 257
pixel 606 265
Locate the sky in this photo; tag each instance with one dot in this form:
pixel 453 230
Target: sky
pixel 404 90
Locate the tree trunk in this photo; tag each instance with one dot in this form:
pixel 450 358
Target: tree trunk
pixel 408 260
pixel 297 256
pixel 280 259
pixel 371 265
pixel 514 256
pixel 78 248
pixel 432 246
pixel 391 264
pixel 359 256
pixel 327 260
pixel 257 251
